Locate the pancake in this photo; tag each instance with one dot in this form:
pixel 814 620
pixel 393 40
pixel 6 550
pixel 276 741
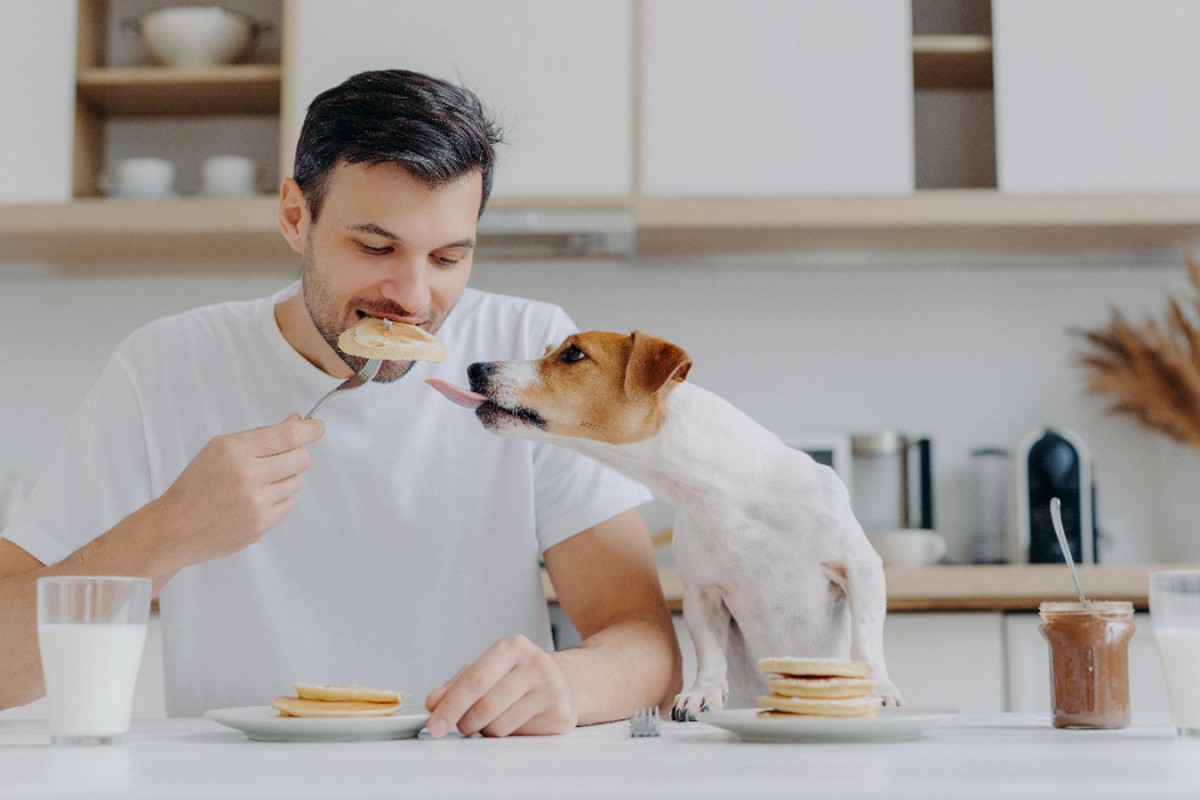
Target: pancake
pixel 796 667
pixel 347 693
pixel 821 688
pixel 373 338
pixel 300 707
pixel 864 706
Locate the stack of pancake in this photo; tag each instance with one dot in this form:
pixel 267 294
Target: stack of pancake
pixel 818 687
pixel 339 700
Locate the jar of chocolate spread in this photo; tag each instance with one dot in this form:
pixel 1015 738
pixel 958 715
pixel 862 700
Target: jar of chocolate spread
pixel 1089 662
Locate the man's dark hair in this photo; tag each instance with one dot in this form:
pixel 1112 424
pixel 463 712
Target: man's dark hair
pixel 434 129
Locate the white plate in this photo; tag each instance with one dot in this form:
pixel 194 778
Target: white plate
pixel 889 725
pixel 263 724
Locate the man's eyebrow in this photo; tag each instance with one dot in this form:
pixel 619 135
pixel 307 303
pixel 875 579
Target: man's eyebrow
pixel 372 228
pixel 375 230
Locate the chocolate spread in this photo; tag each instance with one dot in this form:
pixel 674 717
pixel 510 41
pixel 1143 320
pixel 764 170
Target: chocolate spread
pixel 1089 662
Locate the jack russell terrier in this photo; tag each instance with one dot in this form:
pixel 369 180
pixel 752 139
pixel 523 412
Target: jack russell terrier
pixel 772 560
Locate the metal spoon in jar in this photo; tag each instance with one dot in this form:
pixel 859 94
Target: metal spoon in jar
pixel 1056 518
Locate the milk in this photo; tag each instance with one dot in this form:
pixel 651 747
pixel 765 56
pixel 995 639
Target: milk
pixel 1180 651
pixel 90 672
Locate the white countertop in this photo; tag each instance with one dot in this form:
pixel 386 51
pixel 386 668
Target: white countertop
pixel 976 756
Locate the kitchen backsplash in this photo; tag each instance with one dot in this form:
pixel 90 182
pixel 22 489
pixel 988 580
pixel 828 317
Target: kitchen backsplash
pixel 971 355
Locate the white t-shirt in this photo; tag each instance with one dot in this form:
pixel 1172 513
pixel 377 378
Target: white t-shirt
pixel 413 546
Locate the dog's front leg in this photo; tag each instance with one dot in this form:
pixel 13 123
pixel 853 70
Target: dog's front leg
pixel 707 621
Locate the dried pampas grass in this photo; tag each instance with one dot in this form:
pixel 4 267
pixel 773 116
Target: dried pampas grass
pixel 1153 369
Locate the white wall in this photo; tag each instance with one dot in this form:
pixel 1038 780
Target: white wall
pixel 971 355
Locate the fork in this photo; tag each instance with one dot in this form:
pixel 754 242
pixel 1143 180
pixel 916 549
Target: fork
pixel 364 375
pixel 645 722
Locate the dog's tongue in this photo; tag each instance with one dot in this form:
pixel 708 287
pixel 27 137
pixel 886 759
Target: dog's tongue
pixel 461 396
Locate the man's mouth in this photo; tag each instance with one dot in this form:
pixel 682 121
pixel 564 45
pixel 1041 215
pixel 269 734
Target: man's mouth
pixel 407 319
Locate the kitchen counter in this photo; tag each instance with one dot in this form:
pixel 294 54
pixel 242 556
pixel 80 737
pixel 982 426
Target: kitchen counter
pixel 985 587
pixel 977 756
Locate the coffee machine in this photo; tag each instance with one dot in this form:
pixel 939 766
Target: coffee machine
pixel 1054 462
pixel 893 481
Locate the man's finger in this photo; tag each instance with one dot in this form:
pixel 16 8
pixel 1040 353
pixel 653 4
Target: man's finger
pixel 511 690
pixel 466 689
pixel 271 469
pixel 282 490
pixel 283 436
pixel 526 715
pixel 434 697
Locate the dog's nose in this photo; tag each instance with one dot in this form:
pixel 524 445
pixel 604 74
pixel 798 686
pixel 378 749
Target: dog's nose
pixel 478 374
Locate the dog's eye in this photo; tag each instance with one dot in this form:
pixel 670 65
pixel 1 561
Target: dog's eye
pixel 572 354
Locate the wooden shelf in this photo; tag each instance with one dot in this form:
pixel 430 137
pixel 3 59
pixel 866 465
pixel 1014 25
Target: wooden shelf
pixel 952 62
pixel 977 587
pixel 89 231
pixel 932 220
pixel 233 89
pixel 92 230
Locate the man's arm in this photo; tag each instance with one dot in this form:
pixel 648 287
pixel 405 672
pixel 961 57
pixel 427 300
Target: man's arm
pixel 606 582
pixel 234 491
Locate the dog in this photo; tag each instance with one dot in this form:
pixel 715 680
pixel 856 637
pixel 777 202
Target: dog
pixel 772 559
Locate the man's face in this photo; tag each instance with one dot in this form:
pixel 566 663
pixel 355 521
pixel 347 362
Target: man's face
pixel 387 245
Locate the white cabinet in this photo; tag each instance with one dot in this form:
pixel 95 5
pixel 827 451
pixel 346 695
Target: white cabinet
pixel 947 659
pixel 765 97
pixel 37 59
pixel 1097 96
pixel 971 661
pixel 1029 667
pixel 558 75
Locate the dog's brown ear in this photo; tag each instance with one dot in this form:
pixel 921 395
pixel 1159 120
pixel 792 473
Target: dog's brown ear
pixel 652 363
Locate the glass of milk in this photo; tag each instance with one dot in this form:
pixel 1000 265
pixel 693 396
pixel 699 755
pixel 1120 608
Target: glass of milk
pixel 1175 612
pixel 91 631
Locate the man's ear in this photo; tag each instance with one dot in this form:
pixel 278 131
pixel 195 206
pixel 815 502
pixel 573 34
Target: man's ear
pixel 653 362
pixel 293 215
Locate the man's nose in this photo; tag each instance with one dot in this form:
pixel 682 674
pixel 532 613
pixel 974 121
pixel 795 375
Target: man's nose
pixel 408 286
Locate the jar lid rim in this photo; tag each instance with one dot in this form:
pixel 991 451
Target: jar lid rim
pixel 1092 606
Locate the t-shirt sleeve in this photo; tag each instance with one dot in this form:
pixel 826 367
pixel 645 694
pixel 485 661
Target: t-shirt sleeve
pixel 574 492
pixel 97 477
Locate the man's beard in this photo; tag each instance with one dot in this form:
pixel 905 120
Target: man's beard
pixel 330 321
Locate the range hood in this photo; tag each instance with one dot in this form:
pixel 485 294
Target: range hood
pixel 556 233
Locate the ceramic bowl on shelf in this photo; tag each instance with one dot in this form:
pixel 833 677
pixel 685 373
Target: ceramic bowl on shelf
pixel 139 179
pixel 195 36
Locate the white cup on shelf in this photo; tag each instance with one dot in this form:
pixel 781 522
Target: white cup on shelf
pixel 140 178
pixel 909 547
pixel 228 176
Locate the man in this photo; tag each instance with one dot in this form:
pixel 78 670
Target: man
pixel 394 542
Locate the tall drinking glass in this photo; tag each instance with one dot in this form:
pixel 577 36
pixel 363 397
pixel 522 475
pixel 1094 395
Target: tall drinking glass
pixel 91 632
pixel 1175 613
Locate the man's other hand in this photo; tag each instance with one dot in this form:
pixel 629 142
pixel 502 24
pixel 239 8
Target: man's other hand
pixel 514 687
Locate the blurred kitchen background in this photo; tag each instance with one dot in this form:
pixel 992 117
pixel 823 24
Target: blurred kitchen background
pixel 856 217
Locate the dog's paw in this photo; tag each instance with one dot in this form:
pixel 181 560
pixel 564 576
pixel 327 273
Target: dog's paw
pixel 889 694
pixel 697 699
